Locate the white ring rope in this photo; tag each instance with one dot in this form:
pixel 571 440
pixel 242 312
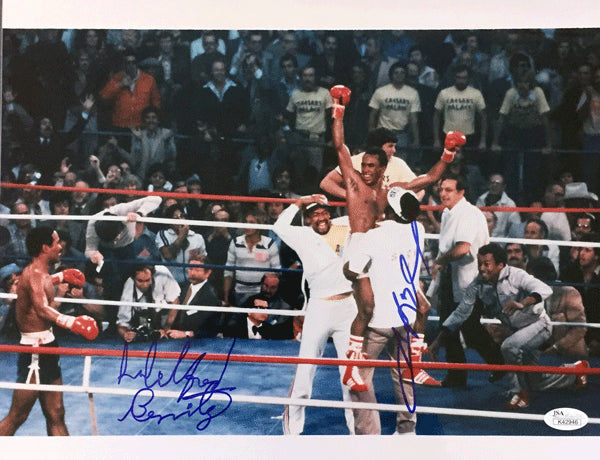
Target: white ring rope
pixel 273 400
pixel 151 220
pixel 118 303
pixel 274 311
pixel 212 223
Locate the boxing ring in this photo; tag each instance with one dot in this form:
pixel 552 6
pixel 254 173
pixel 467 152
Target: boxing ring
pixel 240 387
pixel 261 381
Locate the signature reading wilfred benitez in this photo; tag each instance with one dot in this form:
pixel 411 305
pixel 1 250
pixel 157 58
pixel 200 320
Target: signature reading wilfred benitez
pixel 194 397
pixel 407 299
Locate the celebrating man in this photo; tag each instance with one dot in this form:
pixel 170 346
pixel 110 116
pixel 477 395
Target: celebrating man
pixel 366 200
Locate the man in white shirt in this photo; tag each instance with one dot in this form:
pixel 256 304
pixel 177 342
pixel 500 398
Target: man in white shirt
pixel 463 231
pixel 252 249
pixel 460 105
pixel 396 107
pixel 106 236
pixel 557 222
pixel 496 196
pixel 308 106
pixel 331 306
pixel 178 243
pixel 392 253
pixel 114 240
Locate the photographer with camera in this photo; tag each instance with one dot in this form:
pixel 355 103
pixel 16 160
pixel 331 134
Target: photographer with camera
pixel 153 284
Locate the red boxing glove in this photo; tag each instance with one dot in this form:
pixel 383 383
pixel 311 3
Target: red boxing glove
pixel 83 325
pixel 454 140
pixel 69 275
pixel 341 96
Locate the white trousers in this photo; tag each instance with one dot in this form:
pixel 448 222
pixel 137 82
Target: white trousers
pixel 323 319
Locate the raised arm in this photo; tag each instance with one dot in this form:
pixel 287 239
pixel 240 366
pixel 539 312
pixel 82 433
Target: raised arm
pixel 142 206
pixel 86 107
pixel 333 183
pixel 454 140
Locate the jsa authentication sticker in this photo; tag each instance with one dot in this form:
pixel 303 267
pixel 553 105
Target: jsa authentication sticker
pixel 566 419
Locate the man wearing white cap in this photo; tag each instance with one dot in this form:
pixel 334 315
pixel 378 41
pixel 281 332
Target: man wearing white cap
pixel 331 306
pixel 391 252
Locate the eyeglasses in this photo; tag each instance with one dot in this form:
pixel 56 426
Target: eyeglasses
pixel 584 226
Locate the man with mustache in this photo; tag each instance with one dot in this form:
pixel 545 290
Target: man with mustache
pixel 331 306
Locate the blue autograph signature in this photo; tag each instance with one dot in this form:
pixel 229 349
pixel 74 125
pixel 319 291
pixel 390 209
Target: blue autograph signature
pixel 196 403
pixel 407 299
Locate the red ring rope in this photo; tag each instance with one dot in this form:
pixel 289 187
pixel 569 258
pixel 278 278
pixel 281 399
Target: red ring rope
pixel 291 360
pixel 271 200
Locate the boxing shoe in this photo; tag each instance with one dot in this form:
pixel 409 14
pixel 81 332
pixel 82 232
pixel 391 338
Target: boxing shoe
pixel 352 378
pixel 518 401
pixel 418 346
pixel 420 378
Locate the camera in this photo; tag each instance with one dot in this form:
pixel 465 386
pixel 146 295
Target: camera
pixel 144 334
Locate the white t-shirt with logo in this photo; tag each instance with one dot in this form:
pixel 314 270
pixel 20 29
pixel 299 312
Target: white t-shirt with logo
pixel 395 105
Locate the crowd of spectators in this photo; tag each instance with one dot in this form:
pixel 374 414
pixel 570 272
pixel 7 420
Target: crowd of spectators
pixel 247 113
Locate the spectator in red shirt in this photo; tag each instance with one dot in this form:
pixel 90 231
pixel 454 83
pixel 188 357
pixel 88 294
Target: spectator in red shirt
pixel 131 91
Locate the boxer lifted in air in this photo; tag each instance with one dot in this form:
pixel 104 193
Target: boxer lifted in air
pixel 366 199
pixel 36 312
